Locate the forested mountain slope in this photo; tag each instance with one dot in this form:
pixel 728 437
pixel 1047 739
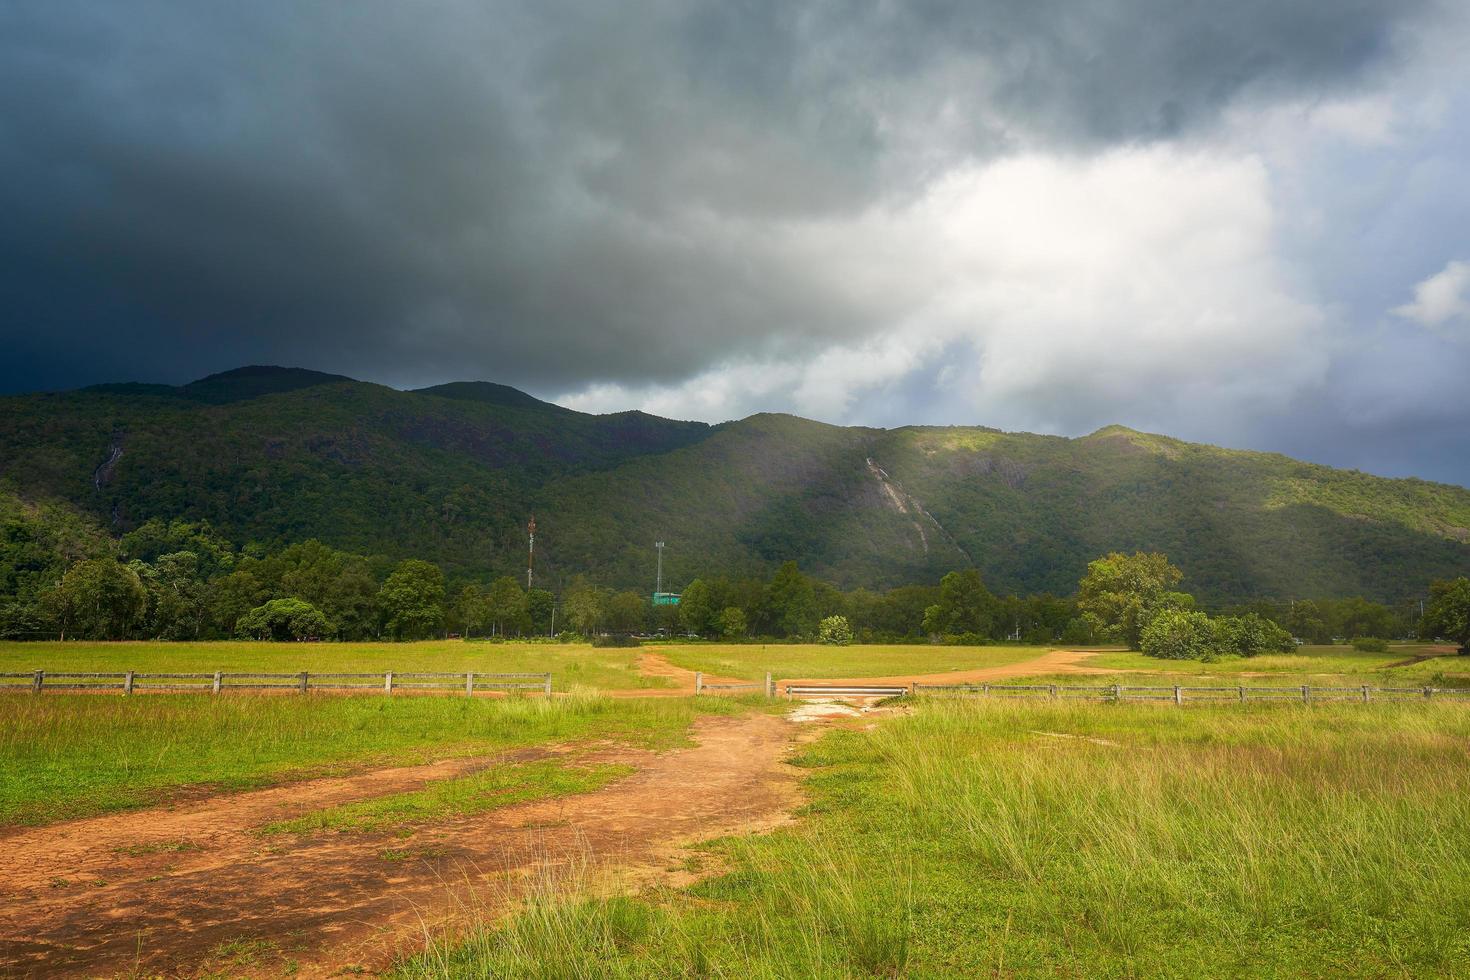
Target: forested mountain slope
pixel 451 473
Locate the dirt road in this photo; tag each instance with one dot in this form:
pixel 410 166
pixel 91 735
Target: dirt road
pixel 159 891
pixel 1055 662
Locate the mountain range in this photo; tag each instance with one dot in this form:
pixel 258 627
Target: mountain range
pixel 451 473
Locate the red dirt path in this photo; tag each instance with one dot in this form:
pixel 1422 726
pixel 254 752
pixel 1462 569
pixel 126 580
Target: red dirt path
pixel 97 897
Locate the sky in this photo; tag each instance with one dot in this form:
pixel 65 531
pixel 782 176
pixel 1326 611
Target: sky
pixel 1245 223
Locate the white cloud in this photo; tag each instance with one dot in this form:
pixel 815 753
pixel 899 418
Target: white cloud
pixel 1441 302
pixel 1040 292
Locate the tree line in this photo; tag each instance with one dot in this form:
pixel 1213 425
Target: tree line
pixel 181 581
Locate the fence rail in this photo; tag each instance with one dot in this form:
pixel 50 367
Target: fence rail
pixel 701 685
pixel 218 682
pixel 1304 693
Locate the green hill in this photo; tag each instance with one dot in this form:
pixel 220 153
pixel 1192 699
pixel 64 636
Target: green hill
pixel 450 473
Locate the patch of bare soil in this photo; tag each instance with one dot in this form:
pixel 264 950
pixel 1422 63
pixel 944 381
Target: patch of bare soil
pixel 657 665
pixel 1055 662
pixel 155 892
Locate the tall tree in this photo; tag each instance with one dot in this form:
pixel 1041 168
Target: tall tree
pixel 1123 592
pixel 791 602
pixel 584 605
pixel 965 605
pixel 412 600
pixel 1448 612
pixel 506 605
pixel 99 599
pixel 697 607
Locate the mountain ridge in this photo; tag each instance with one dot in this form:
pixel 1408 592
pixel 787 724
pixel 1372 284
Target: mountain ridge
pixel 450 473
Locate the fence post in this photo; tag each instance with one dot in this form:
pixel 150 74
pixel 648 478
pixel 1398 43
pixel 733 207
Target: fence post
pixel 770 686
pixel 388 682
pixel 1053 690
pixel 1117 693
pixel 1365 693
pixel 1428 692
pixel 985 690
pixel 303 682
pixel 37 679
pixel 218 683
pixel 547 687
pixel 1306 694
pixel 698 682
pixel 1241 692
pixel 469 683
pixel 1178 694
pixel 128 683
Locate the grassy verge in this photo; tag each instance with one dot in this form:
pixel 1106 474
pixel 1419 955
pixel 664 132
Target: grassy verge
pixel 991 838
pixel 67 756
pixel 458 797
pixel 571 665
pixel 751 661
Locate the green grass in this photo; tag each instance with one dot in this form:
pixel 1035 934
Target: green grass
pixel 751 661
pixel 65 756
pixel 498 786
pixel 960 840
pixel 570 664
pixel 1325 666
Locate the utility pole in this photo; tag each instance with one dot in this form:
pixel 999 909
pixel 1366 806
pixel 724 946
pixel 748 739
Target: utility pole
pixel 659 582
pixel 530 550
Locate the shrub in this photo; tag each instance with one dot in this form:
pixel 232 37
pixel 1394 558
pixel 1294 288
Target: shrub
pixel 1179 634
pixel 616 640
pixel 284 619
pixel 1370 644
pixel 1250 635
pixel 835 630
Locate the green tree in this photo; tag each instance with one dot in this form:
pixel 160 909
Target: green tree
pixel 411 601
pixel 506 605
pixel 539 606
pixel 467 613
pixel 835 630
pixel 1305 620
pixel 731 622
pixel 584 605
pixel 178 600
pixel 232 596
pixel 627 612
pixel 1123 592
pixel 284 619
pixel 1250 635
pixel 965 606
pixel 791 602
pixel 697 607
pixel 1448 614
pixel 1179 634
pixel 98 599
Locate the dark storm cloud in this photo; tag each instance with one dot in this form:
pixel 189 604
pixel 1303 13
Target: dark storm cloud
pixel 549 194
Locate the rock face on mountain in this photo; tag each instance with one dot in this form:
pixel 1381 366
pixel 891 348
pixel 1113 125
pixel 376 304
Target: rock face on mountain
pixel 450 473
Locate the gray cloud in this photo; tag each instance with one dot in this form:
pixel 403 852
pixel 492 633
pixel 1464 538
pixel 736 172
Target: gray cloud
pixel 560 195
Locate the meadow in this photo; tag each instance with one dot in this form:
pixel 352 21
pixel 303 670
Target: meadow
pixel 73 755
pixel 969 838
pixel 571 664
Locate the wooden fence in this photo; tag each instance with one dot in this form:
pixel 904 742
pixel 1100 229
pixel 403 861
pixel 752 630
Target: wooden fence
pixel 700 687
pixel 1304 693
pixel 129 682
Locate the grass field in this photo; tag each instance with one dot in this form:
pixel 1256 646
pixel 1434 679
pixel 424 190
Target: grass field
pixel 74 755
pixel 989 838
pixel 811 660
pixel 571 665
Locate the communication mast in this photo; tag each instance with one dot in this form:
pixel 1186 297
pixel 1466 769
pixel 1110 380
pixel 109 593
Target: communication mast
pixel 659 581
pixel 530 550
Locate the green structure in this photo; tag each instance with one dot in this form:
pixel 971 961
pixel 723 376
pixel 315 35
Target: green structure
pixel 666 598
